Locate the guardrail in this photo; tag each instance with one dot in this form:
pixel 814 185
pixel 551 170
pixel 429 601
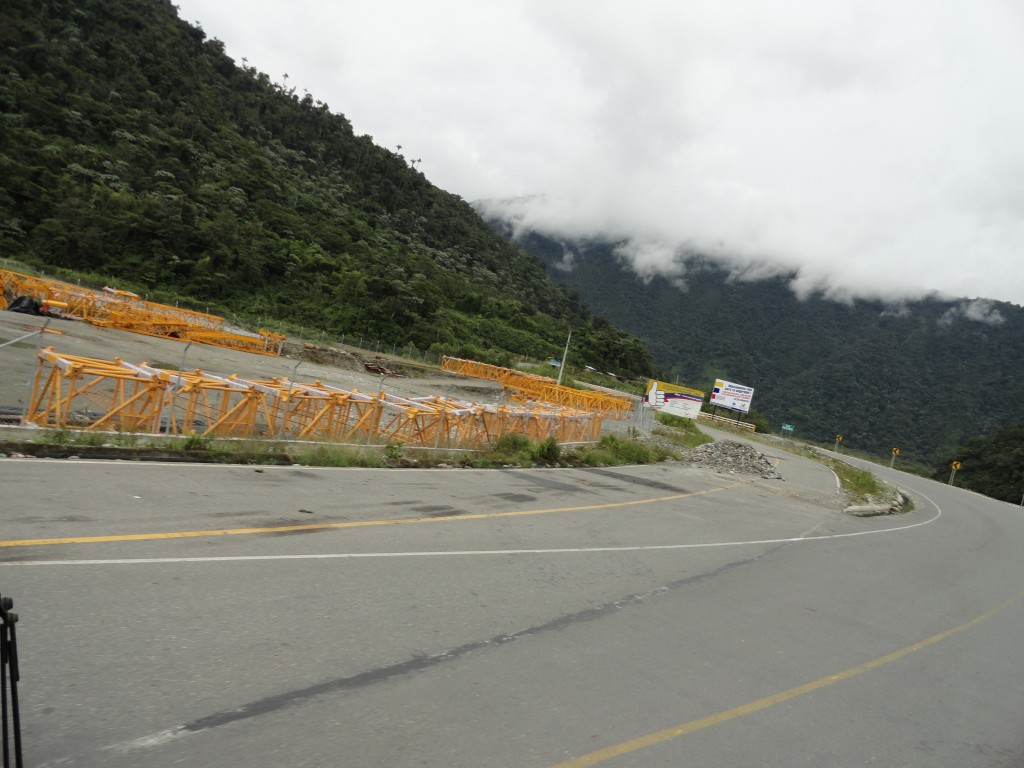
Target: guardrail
pixel 731 422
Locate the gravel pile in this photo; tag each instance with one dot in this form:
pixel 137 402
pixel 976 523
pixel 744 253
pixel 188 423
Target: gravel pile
pixel 734 458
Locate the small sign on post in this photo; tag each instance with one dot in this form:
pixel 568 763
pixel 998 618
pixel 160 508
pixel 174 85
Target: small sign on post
pixel 839 439
pixel 895 453
pixel 787 428
pixel 954 466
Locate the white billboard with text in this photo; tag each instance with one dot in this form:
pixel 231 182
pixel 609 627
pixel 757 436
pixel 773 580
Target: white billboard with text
pixel 671 398
pixel 735 397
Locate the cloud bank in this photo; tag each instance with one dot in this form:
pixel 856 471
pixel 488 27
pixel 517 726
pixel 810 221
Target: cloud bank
pixel 871 148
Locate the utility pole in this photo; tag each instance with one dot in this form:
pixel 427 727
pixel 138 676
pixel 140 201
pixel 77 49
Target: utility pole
pixel 565 354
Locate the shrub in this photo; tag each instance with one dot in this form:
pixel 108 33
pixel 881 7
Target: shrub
pixel 599 457
pixel 632 452
pixel 547 450
pixel 511 443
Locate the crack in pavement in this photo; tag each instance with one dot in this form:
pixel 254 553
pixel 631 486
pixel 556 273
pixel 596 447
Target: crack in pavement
pixel 422 662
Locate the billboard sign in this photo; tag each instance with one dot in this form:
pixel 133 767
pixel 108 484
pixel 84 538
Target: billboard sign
pixel 735 397
pixel 671 398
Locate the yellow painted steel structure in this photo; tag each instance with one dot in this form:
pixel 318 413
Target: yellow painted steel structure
pixel 531 387
pixel 93 394
pixel 127 311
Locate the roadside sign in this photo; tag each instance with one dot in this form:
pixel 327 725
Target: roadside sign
pixel 788 427
pixel 673 399
pixel 953 466
pixel 735 397
pixel 895 451
pixel 839 438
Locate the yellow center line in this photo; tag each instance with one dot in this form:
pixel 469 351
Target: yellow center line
pixel 350 524
pixel 658 737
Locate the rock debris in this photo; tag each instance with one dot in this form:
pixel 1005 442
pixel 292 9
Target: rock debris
pixel 734 458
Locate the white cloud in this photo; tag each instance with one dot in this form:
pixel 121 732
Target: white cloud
pixel 874 148
pixel 978 310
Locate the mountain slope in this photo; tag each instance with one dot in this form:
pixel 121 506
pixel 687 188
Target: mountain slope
pixel 921 376
pixel 132 147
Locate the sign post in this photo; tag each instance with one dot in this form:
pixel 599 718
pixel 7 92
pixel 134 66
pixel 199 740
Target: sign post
pixel 787 428
pixel 895 453
pixel 839 439
pixel 954 466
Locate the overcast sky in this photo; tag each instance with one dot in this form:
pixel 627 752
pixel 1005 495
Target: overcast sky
pixel 875 147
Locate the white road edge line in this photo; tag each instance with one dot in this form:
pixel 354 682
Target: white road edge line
pixel 467 552
pixel 171 734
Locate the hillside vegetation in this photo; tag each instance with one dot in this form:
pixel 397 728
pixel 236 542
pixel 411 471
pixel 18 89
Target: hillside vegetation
pixel 991 464
pixel 134 149
pixel 922 376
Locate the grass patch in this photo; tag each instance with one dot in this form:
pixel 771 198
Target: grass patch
pixel 91 438
pixel 682 432
pixel 54 437
pixel 614 451
pixel 509 450
pixel 599 457
pixel 859 484
pixel 191 443
pixel 338 456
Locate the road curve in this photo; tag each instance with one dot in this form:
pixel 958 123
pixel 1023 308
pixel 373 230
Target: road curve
pixel 640 616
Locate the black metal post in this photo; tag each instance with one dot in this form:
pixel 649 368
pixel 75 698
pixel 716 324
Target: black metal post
pixel 9 660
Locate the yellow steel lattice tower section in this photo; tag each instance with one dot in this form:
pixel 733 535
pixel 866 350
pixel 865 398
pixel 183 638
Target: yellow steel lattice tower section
pixel 92 394
pixel 532 387
pixel 126 311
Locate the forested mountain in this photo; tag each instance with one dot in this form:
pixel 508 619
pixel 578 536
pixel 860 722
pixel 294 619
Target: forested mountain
pixel 132 147
pixel 992 464
pixel 922 376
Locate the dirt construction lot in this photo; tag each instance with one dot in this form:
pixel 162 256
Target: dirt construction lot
pixel 339 367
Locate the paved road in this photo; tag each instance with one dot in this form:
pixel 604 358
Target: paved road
pixel 645 616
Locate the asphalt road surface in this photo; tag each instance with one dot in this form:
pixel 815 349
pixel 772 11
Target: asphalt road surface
pixel 638 616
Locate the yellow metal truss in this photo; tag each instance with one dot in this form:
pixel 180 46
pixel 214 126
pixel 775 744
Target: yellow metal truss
pixel 531 387
pixel 128 312
pixel 93 394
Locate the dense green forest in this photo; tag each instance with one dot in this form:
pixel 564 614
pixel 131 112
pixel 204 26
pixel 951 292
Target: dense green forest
pixel 991 464
pixel 921 376
pixel 133 149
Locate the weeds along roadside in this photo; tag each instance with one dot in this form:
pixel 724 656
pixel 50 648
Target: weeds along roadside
pixel 860 485
pixel 510 450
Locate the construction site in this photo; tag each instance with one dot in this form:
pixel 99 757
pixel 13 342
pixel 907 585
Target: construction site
pixel 110 362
